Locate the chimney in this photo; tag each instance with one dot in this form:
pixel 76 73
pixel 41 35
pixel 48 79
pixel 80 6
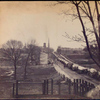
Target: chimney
pixel 44 45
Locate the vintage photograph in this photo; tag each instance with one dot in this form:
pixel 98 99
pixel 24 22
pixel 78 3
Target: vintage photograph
pixel 49 50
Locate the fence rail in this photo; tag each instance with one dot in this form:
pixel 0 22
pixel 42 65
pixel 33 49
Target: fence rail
pixel 77 87
pixel 48 87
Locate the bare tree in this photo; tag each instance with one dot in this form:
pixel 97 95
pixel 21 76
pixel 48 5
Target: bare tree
pixel 87 10
pixel 12 51
pixel 33 52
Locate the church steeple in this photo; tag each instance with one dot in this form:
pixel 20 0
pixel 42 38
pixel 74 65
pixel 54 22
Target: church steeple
pixel 48 44
pixel 48 48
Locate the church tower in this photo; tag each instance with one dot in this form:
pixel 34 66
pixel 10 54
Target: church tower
pixel 48 48
pixel 48 44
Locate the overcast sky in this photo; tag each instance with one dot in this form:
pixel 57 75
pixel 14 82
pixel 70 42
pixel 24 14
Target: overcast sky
pixel 35 20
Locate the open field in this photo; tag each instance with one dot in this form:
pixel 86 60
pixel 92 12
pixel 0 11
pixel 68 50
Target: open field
pixel 34 74
pixel 82 60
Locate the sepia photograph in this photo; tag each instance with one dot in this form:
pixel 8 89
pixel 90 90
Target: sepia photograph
pixel 49 50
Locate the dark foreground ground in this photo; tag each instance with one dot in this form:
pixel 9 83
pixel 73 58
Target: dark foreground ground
pixel 52 97
pixel 34 74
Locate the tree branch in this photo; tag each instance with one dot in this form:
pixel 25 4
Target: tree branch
pixel 86 39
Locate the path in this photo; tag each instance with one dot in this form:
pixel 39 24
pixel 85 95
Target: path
pixel 72 74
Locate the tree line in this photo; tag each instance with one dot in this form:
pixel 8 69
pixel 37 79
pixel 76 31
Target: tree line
pixel 18 54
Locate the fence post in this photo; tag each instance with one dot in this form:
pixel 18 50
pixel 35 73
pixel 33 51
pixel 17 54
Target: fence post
pixel 13 89
pixel 51 86
pixel 89 85
pixel 80 86
pixel 16 87
pixel 59 86
pixel 47 85
pixel 69 86
pixel 64 77
pixel 67 80
pixel 44 87
pixel 76 86
pixel 92 86
pixel 86 87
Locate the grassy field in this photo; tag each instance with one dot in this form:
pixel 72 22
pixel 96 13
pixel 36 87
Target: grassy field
pixel 34 74
pixel 82 60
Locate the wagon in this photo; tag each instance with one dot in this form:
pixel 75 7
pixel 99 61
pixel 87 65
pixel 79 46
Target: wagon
pixel 82 70
pixel 75 67
pixel 92 72
pixel 70 65
pixel 98 76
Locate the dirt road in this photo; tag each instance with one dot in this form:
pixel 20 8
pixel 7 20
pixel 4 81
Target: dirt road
pixel 73 75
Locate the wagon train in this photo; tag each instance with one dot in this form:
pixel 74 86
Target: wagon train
pixel 76 67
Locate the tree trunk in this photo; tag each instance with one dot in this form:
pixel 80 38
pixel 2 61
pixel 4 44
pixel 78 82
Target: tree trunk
pixel 86 39
pixel 94 28
pixel 15 71
pixel 98 19
pixel 26 65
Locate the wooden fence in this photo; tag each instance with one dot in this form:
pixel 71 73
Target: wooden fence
pixel 27 88
pixel 77 87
